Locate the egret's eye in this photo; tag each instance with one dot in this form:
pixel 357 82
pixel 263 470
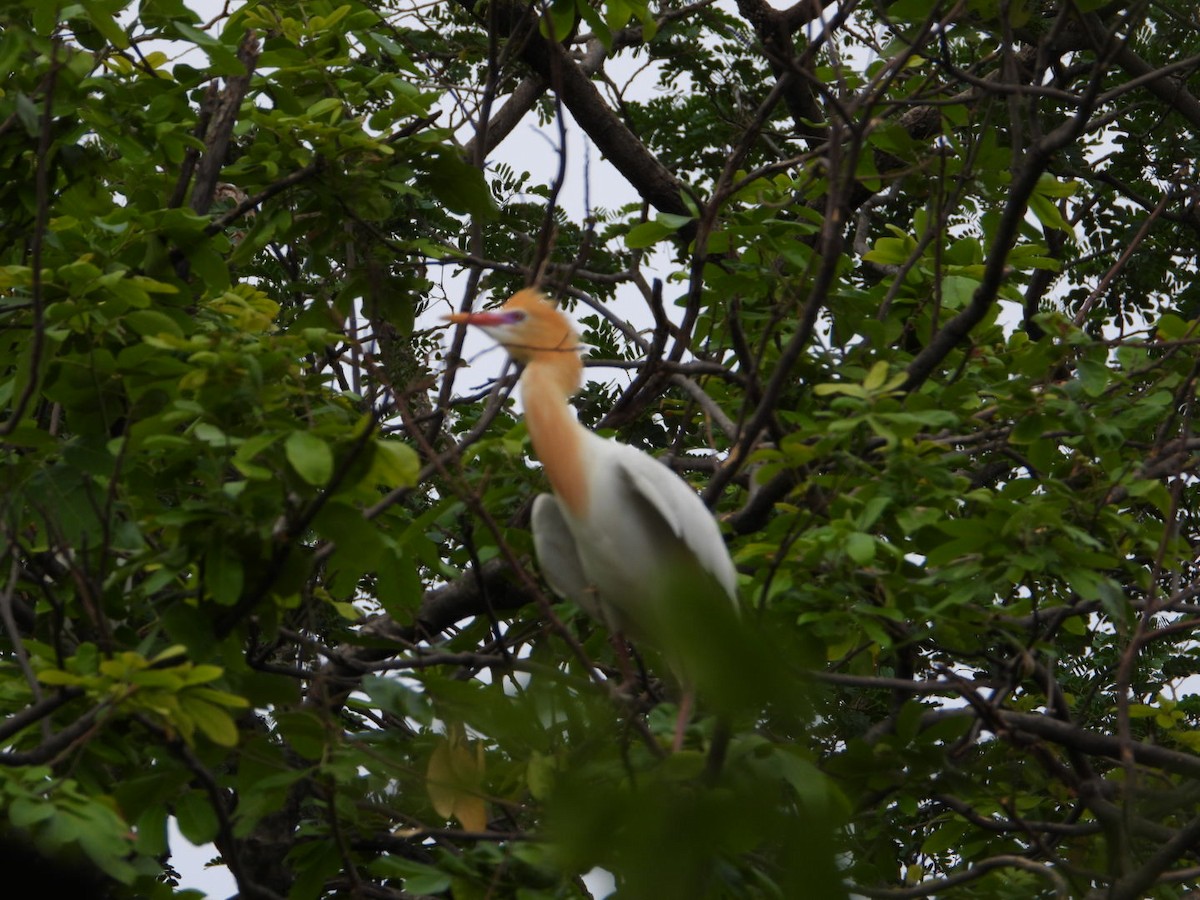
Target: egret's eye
pixel 513 316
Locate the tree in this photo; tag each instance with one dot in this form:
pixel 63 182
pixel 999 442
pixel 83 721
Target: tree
pixel 925 338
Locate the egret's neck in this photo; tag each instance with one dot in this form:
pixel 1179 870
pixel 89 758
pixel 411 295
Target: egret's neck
pixel 558 439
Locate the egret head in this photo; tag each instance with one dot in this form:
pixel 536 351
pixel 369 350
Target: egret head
pixel 528 327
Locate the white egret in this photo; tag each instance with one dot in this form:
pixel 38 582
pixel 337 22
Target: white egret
pixel 621 530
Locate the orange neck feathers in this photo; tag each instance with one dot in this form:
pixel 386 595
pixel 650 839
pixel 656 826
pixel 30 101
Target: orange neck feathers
pixel 545 341
pixel 535 333
pixel 556 435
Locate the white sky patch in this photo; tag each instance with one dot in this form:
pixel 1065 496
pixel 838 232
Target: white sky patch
pixel 191 862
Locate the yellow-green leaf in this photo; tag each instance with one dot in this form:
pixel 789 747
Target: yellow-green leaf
pixel 876 377
pixel 213 722
pixel 203 673
pixel 106 24
pixel 58 676
pixel 310 457
pixel 395 464
pixel 454 781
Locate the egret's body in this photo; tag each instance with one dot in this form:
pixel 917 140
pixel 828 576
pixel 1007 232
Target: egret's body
pixel 640 532
pixel 620 529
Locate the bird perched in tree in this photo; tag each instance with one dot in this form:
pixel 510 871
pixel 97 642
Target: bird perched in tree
pixel 621 531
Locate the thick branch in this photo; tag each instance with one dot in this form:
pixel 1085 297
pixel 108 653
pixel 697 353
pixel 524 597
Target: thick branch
pixel 220 127
pixel 1166 86
pixel 610 135
pixel 1024 183
pixel 493 590
pixel 774 29
pixel 38 711
pixel 49 749
pixel 1070 735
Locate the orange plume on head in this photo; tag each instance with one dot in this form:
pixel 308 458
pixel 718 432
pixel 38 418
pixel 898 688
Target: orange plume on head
pixel 545 328
pixel 534 332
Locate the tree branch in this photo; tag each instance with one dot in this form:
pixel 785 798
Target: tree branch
pixel 227 105
pixel 1023 185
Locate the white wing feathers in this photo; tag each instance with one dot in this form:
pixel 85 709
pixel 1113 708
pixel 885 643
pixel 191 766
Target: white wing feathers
pixel 558 557
pixel 642 519
pixel 683 511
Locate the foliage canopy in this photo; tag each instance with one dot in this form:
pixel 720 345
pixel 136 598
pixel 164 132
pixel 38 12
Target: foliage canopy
pixel 926 340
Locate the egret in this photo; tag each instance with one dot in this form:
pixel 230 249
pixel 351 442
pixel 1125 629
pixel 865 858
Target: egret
pixel 621 530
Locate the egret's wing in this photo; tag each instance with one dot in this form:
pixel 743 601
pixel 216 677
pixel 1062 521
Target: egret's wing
pixel 682 511
pixel 558 557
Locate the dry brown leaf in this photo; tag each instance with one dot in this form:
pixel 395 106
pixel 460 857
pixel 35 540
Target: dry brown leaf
pixel 454 780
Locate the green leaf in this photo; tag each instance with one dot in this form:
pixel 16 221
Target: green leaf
pixel 304 732
pixel 1029 428
pixel 661 226
pixel 24 812
pixel 1050 186
pixel 201 674
pixel 617 14
pixel 645 18
pixel 673 220
pixel 460 187
pixel 1048 213
pixel 106 24
pixel 45 17
pixel 597 24
pixel 324 106
pixel 104 837
pixel 557 22
pixel 944 837
pixel 1094 376
pixel 1172 328
pixel 891 251
pixel 195 35
pixel 248 450
pixel 540 774
pixel 157 678
pixel 209 265
pixel 222 58
pixel 223 574
pixel 418 878
pixel 957 291
pixel 395 464
pixel 398 585
pixel 310 457
pixel 849 389
pixel 647 234
pixel 148 322
pixel 196 818
pixel 219 698
pixel 58 677
pixel 876 377
pixel 911 11
pixel 860 547
pixel 152 831
pixel 216 724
